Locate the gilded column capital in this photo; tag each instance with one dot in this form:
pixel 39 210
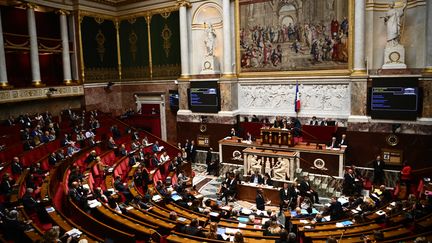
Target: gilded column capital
pixel 29 5
pixel 62 12
pixel 183 3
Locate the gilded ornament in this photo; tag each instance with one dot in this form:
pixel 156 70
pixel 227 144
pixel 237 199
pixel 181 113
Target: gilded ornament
pixel 100 39
pixel 133 38
pixel 166 35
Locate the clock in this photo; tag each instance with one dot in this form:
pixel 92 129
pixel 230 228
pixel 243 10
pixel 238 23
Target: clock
pixel 394 56
pixel 203 128
pixel 207 65
pixel 392 140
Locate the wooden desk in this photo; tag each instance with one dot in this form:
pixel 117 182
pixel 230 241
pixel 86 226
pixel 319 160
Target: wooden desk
pixel 139 215
pixel 123 223
pixel 163 213
pixel 277 136
pixel 66 226
pixel 247 192
pixel 186 213
pixel 339 231
pixel 231 152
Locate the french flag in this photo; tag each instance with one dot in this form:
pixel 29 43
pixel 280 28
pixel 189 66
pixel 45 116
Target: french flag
pixel 297 99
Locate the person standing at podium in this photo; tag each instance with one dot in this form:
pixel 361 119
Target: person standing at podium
pixel 233 133
pixel 260 200
pixel 296 126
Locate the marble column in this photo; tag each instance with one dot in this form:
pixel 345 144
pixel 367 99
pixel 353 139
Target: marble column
pixel 428 68
pixel 67 77
pixel 227 63
pixel 359 37
pixel 183 87
pixel 358 100
pixel 3 72
pixel 184 38
pixel 34 51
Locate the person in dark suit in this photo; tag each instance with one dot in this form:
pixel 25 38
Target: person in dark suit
pixel 307 191
pixel 155 161
pixel 297 127
pixel 193 229
pixel 233 133
pixel 343 141
pixel 333 143
pixel 249 137
pixel 335 210
pixel 230 188
pixel 74 193
pixel 349 183
pixel 378 166
pixel 192 151
pixel 267 180
pixel 314 121
pixel 52 160
pixel 16 166
pixel 260 200
pixel 6 184
pixel 256 178
pixel 286 195
pixel 91 157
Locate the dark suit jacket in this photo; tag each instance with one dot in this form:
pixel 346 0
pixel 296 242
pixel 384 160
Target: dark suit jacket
pixel 260 202
pixel 16 168
pixel 344 142
pixel 286 195
pixel 304 187
pixel 335 211
pixel 252 178
pixel 336 144
pixel 267 182
pixel 5 187
pixel 349 180
pixel 378 169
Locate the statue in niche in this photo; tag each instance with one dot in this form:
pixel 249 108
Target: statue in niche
pixel 255 165
pixel 393 22
pixel 210 39
pixel 280 169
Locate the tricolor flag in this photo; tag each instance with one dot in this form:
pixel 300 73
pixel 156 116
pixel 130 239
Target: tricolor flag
pixel 297 99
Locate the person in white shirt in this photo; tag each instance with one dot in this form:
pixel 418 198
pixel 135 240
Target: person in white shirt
pixel 89 134
pixel 164 157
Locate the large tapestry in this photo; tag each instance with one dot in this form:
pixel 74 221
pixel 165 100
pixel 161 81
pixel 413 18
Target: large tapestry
pixel 293 35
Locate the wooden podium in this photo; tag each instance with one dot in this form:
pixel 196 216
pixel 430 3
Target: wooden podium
pixel 277 136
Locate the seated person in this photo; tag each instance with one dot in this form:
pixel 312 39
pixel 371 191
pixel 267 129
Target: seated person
pixel 267 180
pixel 314 121
pixel 193 229
pixel 287 195
pixel 249 137
pixel 212 234
pixel 273 229
pixel 307 191
pixel 333 143
pixel 233 133
pixel 230 188
pixel 343 141
pixel 335 210
pixel 164 157
pixel 256 178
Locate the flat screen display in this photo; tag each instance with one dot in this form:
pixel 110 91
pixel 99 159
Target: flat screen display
pixel 396 99
pixel 204 97
pixel 174 99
